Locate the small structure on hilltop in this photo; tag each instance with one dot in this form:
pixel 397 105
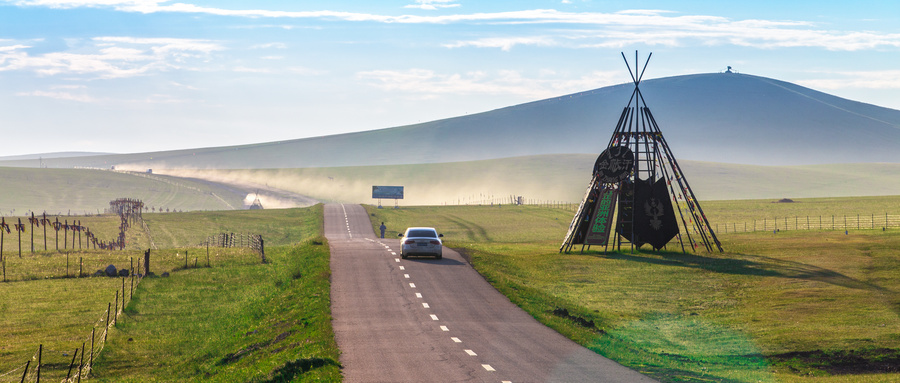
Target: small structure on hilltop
pixel 638 193
pixel 256 205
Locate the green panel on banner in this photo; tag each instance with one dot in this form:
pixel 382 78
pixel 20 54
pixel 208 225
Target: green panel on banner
pixel 601 222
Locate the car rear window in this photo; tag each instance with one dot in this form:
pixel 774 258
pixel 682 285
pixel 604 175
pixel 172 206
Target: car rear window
pixel 422 233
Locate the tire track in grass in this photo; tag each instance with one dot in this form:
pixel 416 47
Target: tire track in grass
pixel 473 230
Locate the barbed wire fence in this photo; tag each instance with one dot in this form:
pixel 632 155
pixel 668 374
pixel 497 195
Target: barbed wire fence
pixel 253 242
pixel 82 360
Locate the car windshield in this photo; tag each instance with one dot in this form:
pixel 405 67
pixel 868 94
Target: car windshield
pixel 422 233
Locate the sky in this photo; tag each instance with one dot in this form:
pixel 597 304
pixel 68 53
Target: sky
pixel 126 76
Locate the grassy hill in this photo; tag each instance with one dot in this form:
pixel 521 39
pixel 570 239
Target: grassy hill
pixel 88 191
pixel 719 117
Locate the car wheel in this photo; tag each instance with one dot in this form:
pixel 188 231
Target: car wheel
pixel 439 256
pixel 403 256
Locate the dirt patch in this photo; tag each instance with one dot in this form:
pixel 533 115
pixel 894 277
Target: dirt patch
pixel 844 362
pixel 785 200
pixel 586 323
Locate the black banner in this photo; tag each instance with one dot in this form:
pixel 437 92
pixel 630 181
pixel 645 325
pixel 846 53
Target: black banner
pixel 652 217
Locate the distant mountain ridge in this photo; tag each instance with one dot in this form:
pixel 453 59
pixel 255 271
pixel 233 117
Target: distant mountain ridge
pixel 39 156
pixel 719 117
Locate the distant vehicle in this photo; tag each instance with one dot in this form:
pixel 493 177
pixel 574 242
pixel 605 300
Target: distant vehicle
pixel 421 241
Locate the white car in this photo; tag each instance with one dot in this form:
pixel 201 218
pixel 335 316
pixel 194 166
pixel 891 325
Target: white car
pixel 421 241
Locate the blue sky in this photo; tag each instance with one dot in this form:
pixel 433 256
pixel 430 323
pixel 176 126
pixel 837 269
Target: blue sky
pixel 146 75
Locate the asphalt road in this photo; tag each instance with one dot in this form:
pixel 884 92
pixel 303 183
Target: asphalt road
pixel 426 320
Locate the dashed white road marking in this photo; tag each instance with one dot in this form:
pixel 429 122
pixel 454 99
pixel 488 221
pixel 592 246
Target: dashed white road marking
pixel 396 259
pixel 402 268
pixel 488 367
pixel 455 340
pixel 471 353
pixel 434 317
pixel 406 276
pixel 418 295
pixel 444 328
pixel 425 305
pixel 393 253
pixel 412 285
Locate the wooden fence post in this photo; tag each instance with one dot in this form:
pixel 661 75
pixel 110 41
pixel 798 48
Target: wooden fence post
pixel 147 262
pixel 74 356
pixel 81 363
pixel 91 362
pixel 28 363
pixel 40 351
pixel 105 333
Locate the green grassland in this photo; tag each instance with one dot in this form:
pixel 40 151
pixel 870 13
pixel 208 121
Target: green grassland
pixel 88 191
pixel 792 306
pixel 238 320
pixel 556 178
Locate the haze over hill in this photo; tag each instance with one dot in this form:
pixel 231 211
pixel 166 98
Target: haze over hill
pixel 720 117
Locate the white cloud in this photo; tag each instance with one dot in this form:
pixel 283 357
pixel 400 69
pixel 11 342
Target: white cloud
pixel 616 29
pixel 110 57
pixel 504 43
pixel 432 5
pixel 425 83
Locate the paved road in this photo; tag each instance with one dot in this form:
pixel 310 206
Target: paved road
pixel 424 320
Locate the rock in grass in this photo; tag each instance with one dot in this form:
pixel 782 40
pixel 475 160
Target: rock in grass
pixel 111 271
pixel 123 273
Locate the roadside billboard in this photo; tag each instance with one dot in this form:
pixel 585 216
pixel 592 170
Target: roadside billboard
pixel 387 192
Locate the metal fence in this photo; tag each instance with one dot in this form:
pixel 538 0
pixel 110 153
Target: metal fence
pixel 822 222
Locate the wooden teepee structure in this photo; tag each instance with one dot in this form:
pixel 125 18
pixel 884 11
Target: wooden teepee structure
pixel 637 192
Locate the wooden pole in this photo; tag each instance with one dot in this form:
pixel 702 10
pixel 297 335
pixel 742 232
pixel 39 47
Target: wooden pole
pixel 28 363
pixel 147 262
pixel 68 374
pixel 91 362
pixel 31 221
pixel 44 221
pixel 18 230
pixel 105 333
pixel 81 363
pixel 40 351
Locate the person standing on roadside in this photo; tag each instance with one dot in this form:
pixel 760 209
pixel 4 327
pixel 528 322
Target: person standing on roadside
pixel 383 228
